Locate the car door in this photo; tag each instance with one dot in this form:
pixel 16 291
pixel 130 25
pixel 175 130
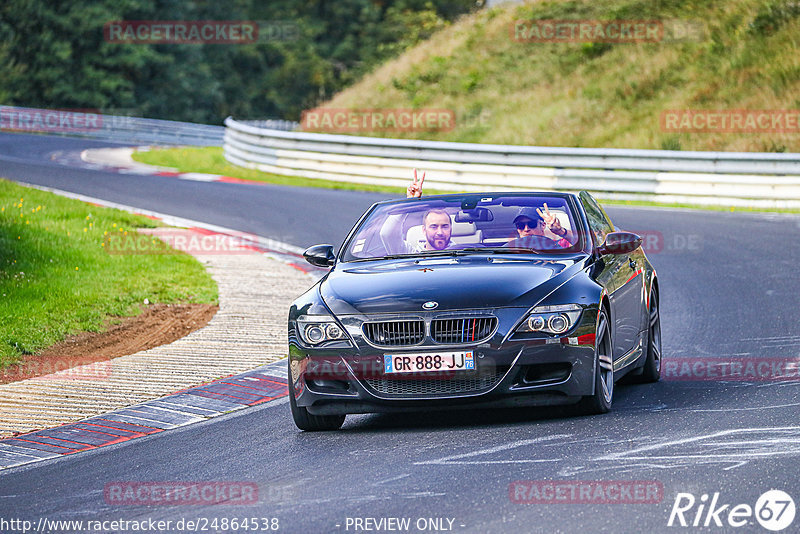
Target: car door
pixel 619 277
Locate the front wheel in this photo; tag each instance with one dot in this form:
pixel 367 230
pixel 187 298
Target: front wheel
pixel 310 422
pixel 600 401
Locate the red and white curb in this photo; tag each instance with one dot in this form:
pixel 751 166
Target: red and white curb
pixel 120 160
pixel 266 385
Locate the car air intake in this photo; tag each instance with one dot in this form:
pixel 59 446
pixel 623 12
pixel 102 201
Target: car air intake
pixel 426 387
pixel 462 330
pixel 395 333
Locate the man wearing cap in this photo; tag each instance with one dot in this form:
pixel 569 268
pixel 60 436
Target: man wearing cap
pixel 532 222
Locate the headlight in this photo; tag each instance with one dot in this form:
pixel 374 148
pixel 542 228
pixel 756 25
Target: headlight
pixel 317 330
pixel 551 319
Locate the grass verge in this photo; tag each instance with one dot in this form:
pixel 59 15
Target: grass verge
pixel 210 160
pixel 733 55
pixel 56 278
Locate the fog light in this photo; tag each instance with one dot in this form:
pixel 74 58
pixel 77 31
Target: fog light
pixel 558 323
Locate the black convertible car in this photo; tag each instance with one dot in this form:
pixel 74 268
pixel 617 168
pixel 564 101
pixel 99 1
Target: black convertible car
pixel 474 300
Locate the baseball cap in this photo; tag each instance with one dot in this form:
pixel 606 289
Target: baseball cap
pixel 528 212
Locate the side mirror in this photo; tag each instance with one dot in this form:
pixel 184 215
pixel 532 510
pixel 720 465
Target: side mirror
pixel 320 255
pixel 620 243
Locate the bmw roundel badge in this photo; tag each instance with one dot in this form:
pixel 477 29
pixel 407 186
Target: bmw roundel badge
pixel 430 305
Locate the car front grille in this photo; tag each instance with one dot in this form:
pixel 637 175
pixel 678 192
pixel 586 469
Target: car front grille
pixel 462 330
pixel 395 333
pixel 400 387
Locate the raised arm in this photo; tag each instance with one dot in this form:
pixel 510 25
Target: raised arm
pixel 553 228
pixel 414 190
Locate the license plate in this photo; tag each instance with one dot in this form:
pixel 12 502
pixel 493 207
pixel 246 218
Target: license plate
pixel 429 362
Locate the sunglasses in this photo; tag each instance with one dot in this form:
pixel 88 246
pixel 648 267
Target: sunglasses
pixel 521 225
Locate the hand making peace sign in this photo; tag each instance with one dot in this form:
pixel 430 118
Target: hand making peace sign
pixel 414 190
pixel 550 220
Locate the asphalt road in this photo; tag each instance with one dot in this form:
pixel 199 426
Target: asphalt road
pixel 729 290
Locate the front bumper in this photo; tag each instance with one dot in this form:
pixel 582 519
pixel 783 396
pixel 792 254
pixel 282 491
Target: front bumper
pixel 525 372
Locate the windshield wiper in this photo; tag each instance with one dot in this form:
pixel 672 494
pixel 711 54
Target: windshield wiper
pixel 388 257
pixel 454 252
pixel 498 250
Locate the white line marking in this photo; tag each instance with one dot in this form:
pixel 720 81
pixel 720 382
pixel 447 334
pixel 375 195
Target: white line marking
pixel 740 464
pixel 391 479
pixel 747 452
pixel 513 445
pixel 199 177
pixel 664 408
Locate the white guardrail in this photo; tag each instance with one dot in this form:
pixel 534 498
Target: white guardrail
pixel 125 129
pixel 699 178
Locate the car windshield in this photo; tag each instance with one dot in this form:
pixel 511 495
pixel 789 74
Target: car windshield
pixel 454 225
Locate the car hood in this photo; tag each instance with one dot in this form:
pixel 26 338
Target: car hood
pixel 453 283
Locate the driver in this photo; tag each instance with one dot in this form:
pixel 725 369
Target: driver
pixel 437 226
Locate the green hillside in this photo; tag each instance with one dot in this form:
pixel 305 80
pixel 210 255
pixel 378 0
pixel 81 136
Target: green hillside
pixel 595 94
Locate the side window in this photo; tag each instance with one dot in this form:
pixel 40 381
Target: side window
pixel 599 222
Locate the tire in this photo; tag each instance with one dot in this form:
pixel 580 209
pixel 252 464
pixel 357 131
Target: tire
pixel 310 422
pixel 600 401
pixel 651 371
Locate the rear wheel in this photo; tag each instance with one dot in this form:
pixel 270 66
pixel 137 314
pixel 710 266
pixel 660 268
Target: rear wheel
pixel 651 372
pixel 600 401
pixel 308 421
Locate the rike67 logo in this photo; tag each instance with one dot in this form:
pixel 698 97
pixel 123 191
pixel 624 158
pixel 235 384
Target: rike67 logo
pixel 774 510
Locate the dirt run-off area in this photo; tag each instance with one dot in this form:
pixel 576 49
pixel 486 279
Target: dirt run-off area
pixel 156 325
